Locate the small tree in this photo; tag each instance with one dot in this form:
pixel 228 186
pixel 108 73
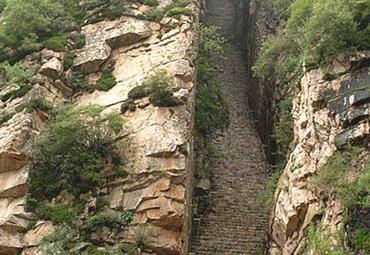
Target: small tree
pixel 72 152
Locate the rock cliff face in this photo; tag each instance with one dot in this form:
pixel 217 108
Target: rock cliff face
pixel 327 115
pixel 159 139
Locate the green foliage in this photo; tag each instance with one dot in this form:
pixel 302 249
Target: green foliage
pixel 176 12
pixel 210 39
pixel 361 240
pixel 158 87
pixel 149 2
pixel 106 81
pixel 321 243
pixel 211 112
pixel 72 152
pixel 35 104
pixel 282 7
pixel 333 178
pixel 128 216
pixel 154 15
pixel 16 73
pixel 56 43
pixel 101 219
pixel 25 22
pixel 315 33
pixel 79 39
pixel 68 60
pixel 58 213
pixel 283 132
pixel 77 81
pixel 59 242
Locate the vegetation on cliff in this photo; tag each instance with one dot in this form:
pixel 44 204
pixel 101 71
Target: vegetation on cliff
pixel 315 33
pixel 346 176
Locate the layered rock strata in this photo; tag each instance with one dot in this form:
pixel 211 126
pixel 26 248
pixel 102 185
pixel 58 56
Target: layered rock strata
pixel 327 115
pixel 159 139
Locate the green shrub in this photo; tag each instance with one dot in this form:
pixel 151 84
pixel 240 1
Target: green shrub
pixel 315 33
pixel 101 219
pixel 149 2
pixel 128 216
pixel 79 40
pixel 211 113
pixel 16 73
pixel 56 43
pixel 72 152
pixel 106 81
pixel 158 88
pixel 25 21
pixel 154 15
pixel 58 213
pixel 176 12
pixel 361 240
pixel 35 104
pixel 78 82
pixel 210 39
pixel 333 178
pixel 68 60
pixel 321 243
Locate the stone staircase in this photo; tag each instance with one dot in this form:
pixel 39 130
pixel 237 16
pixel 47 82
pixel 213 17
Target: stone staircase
pixel 236 223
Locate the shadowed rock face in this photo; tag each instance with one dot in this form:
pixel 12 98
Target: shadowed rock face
pixel 327 115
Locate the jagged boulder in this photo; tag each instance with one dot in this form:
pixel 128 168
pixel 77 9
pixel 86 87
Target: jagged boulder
pixel 103 37
pixel 52 69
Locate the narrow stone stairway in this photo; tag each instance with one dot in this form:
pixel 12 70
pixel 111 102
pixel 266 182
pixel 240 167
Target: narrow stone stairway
pixel 236 223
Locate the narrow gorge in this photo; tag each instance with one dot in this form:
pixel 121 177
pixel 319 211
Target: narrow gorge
pixel 184 127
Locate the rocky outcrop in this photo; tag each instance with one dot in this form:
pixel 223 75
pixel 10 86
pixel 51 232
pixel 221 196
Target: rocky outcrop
pixel 327 115
pixel 103 37
pixel 159 139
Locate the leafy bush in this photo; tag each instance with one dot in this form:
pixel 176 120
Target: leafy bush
pixel 16 73
pixel 25 21
pixel 68 60
pixel 361 240
pixel 210 39
pixel 176 12
pixel 149 2
pixel 72 152
pixel 78 82
pixel 5 116
pixel 315 33
pixel 211 112
pixel 128 216
pixel 321 243
pixel 35 104
pixel 158 88
pixel 56 43
pixel 58 213
pixel 107 81
pixel 102 219
pixel 332 178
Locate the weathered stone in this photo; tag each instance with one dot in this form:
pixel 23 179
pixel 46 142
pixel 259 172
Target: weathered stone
pixel 35 235
pixel 104 36
pixel 52 69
